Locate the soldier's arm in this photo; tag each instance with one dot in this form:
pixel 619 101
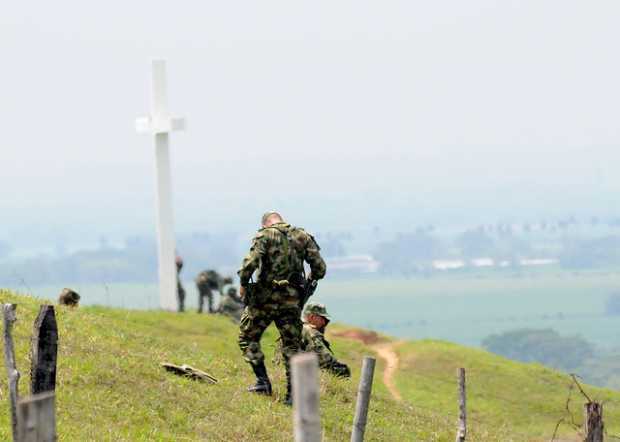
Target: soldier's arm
pixel 314 259
pixel 252 260
pixel 317 345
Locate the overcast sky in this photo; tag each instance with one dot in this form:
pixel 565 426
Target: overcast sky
pixel 323 108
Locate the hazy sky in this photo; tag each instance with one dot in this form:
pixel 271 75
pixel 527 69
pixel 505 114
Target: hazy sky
pixel 415 107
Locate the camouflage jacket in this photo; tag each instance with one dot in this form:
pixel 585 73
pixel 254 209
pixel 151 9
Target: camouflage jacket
pixel 278 253
pixel 313 340
pixel 211 280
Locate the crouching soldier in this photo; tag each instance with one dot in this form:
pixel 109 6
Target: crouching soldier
pixel 69 297
pixel 313 340
pixel 231 305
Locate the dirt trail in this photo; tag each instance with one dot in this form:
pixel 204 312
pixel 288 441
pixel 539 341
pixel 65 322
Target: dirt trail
pixel 385 350
pixel 387 353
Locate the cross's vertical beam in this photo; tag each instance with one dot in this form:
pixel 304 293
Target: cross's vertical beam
pixel 165 224
pixel 159 124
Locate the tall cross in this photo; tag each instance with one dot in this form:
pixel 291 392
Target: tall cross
pixel 160 123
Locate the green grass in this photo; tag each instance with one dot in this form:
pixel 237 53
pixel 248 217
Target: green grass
pixel 520 401
pixel 110 385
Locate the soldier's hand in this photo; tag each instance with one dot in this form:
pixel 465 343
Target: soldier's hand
pixel 242 292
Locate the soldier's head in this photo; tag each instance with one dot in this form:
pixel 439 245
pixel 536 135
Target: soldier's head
pixel 232 291
pixel 271 218
pixel 69 297
pixel 316 315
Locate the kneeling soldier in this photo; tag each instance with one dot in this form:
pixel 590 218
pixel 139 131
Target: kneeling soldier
pixel 313 339
pixel 231 304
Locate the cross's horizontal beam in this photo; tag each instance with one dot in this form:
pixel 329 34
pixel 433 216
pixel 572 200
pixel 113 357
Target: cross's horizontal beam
pixel 159 124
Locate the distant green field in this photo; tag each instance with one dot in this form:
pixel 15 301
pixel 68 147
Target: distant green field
pixel 462 309
pixel 467 309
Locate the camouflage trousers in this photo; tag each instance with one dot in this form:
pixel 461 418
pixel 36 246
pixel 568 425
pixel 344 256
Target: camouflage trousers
pixel 255 321
pixel 180 296
pixel 202 294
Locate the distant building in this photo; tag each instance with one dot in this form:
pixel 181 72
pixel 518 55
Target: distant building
pixel 483 262
pixel 353 264
pixel 448 264
pixel 538 262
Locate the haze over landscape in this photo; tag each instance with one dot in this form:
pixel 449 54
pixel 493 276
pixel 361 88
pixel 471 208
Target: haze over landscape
pixel 354 113
pixel 456 161
pixel 407 135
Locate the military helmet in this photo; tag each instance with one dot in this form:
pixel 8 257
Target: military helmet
pixel 232 291
pixel 314 308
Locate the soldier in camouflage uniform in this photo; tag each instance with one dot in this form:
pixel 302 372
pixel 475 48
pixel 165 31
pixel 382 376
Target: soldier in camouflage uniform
pixel 316 319
pixel 180 289
pixel 278 253
pixel 69 297
pixel 206 282
pixel 231 304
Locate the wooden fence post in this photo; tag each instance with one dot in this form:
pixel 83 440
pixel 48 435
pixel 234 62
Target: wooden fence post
pixel 461 431
pixel 37 418
pixel 363 399
pixel 44 351
pixel 594 427
pixel 9 317
pixel 305 378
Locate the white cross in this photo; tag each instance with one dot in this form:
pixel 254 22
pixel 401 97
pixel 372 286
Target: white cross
pixel 159 123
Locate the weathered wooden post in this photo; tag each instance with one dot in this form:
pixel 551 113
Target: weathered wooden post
pixel 461 431
pixel 363 399
pixel 37 418
pixel 9 317
pixel 305 378
pixel 44 351
pixel 594 427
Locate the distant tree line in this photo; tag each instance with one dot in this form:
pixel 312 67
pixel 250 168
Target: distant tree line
pixel 572 354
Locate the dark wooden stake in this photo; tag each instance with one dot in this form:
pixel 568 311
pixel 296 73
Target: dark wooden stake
pixel 594 427
pixel 461 431
pixel 37 418
pixel 44 351
pixel 9 317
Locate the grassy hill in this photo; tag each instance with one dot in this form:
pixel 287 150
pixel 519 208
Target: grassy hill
pixel 111 387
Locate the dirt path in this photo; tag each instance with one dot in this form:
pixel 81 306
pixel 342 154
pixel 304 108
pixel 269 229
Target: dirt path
pixel 385 350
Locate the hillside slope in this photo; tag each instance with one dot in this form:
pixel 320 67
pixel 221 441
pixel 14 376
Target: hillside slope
pixel 110 385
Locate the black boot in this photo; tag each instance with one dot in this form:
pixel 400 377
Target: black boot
pixel 263 384
pixel 289 395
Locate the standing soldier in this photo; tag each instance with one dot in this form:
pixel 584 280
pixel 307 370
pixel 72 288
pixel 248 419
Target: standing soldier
pixel 180 289
pixel 278 251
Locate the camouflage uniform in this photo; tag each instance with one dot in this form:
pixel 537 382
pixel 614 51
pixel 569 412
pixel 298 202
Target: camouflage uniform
pixel 313 340
pixel 278 253
pixel 69 297
pixel 180 289
pixel 206 282
pixel 231 305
